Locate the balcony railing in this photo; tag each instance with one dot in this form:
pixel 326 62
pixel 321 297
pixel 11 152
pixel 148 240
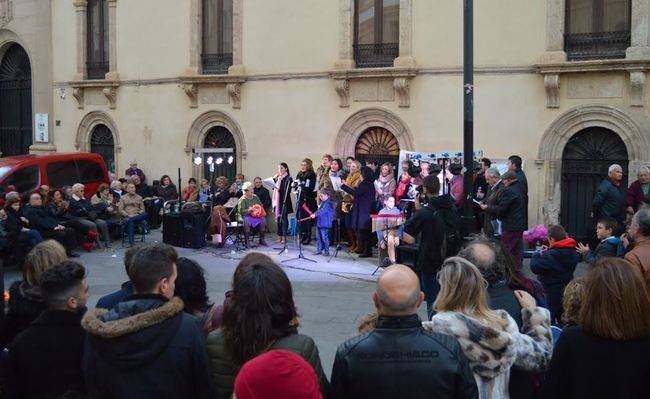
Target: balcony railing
pixel 595 46
pixel 96 70
pixel 216 64
pixel 375 55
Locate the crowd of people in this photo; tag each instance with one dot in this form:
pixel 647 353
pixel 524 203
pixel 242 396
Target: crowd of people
pixel 159 335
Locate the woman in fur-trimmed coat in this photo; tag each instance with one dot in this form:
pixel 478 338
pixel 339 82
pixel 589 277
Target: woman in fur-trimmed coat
pixel 490 339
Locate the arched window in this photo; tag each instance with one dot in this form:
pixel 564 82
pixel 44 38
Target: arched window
pixel 97 39
pixel 224 156
pixel 15 102
pixel 597 29
pixel 376 33
pixel 216 55
pixel 102 143
pixel 379 145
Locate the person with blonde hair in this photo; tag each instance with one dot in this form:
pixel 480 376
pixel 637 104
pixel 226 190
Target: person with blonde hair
pixel 605 355
pixel 25 301
pixel 490 339
pixel 572 302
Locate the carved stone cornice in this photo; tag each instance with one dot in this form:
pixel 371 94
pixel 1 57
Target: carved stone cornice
pixel 635 67
pixel 401 78
pixel 107 87
pixel 191 85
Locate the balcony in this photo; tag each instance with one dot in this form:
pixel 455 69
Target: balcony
pixel 96 70
pixel 216 64
pixel 375 55
pixel 596 46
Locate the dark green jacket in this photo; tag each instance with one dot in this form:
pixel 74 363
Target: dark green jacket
pixel 224 371
pixel 609 201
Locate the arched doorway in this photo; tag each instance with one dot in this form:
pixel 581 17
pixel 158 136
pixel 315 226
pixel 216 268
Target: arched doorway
pixel 377 144
pixel 585 160
pixel 15 102
pixel 102 143
pixel 225 155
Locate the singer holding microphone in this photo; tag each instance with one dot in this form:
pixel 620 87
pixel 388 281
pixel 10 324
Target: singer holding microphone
pixel 305 186
pixel 282 200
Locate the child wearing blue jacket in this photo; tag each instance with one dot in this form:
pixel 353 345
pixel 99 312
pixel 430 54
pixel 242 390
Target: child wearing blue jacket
pixel 554 267
pixel 609 245
pixel 325 215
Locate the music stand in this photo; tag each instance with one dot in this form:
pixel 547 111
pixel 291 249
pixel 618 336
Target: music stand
pixel 385 223
pixel 300 256
pixel 338 247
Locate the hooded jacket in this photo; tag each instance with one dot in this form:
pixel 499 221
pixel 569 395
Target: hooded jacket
pixel 606 248
pixel 492 352
pixel 145 347
pixel 557 264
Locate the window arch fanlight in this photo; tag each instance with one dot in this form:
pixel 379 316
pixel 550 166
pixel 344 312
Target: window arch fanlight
pixel 102 143
pixel 89 125
pixel 201 134
pixel 359 123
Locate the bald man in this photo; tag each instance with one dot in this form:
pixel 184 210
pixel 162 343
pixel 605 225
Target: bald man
pixel 399 358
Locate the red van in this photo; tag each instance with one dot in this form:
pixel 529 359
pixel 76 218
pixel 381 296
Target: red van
pixel 28 172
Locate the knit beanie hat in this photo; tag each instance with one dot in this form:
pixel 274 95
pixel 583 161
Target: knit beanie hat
pixel 277 374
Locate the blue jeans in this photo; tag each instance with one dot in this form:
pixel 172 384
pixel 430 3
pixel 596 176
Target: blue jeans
pixel 34 237
pixel 431 288
pixel 131 222
pixel 323 240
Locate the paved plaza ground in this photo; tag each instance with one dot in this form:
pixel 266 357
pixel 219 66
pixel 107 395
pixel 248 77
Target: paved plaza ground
pixel 331 296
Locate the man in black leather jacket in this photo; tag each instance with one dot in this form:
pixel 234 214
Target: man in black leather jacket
pixel 399 358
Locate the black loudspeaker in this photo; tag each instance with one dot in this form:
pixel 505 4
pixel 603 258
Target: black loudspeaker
pixel 185 230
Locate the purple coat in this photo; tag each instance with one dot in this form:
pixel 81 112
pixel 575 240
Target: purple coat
pixel 364 198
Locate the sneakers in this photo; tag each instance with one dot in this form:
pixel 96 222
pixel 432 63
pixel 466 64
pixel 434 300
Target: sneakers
pixel 317 253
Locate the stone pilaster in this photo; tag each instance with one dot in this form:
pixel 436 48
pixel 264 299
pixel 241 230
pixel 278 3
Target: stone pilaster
pixel 81 11
pixel 112 41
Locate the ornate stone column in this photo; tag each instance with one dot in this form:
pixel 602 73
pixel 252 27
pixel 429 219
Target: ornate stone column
pixel 237 67
pixel 196 22
pixel 81 9
pixel 640 32
pixel 346 35
pixel 405 59
pixel 112 41
pixel 555 15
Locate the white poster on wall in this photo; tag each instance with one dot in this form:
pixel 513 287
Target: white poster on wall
pixel 41 123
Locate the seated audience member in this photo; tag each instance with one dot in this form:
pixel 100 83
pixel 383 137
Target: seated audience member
pixel 277 374
pixel 262 193
pixel 131 207
pixel 251 214
pixel 4 235
pixel 25 301
pixel 554 268
pixel 16 224
pixel 116 189
pixel 67 191
pixel 192 289
pixel 608 245
pixel 489 338
pixel 572 302
pixel 174 354
pixel 49 227
pixel 166 190
pixel 105 203
pixel 259 316
pixel 57 207
pixel 223 192
pixel 55 338
pixel 112 299
pixel 82 210
pixel 204 190
pixel 142 189
pixel 605 355
pixel 133 170
pixel 376 364
pixel 44 192
pixel 191 192
pixel 239 184
pixel 639 252
pixel 220 215
pixel 389 238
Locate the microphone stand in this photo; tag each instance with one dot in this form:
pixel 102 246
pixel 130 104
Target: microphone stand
pixel 300 254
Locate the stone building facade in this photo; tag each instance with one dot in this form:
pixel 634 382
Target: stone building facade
pixel 562 83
